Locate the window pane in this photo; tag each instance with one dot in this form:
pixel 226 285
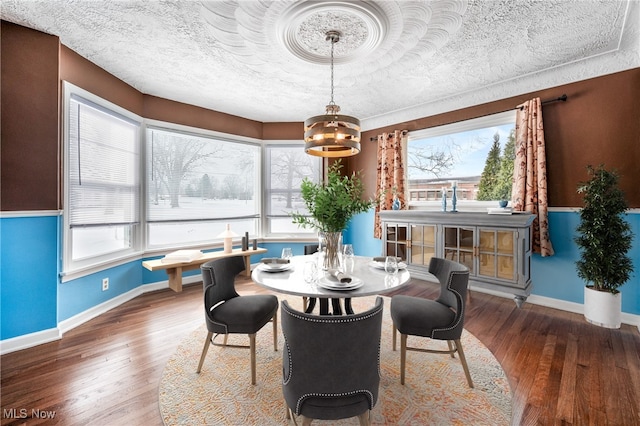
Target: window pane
pixel 478 155
pixel 284 225
pixel 202 179
pixel 287 166
pixel 99 240
pixel 184 233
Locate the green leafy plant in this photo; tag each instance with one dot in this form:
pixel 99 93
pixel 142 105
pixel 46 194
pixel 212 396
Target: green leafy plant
pixel 605 237
pixel 332 203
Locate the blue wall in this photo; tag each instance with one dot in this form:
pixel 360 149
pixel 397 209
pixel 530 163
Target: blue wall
pixel 28 274
pixel 33 298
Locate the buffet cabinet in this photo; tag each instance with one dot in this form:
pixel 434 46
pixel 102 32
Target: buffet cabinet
pixel 495 247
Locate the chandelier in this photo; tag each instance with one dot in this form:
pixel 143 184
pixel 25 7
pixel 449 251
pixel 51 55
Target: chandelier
pixel 332 134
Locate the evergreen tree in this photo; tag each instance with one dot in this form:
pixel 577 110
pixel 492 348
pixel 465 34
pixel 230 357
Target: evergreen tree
pixel 489 177
pixel 505 176
pixel 206 187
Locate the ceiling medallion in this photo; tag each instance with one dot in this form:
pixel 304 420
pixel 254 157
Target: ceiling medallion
pixel 332 134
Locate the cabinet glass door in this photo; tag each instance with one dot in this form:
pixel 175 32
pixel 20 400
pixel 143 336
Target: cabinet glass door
pixel 497 256
pixel 396 241
pixel 458 246
pixel 423 244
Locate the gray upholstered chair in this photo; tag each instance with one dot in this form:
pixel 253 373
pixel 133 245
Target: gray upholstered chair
pixel 331 364
pixel 227 312
pixel 440 319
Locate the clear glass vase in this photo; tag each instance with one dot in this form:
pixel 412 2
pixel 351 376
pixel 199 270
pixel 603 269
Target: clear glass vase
pixel 330 245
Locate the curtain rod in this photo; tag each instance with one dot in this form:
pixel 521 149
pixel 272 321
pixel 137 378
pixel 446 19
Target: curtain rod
pixel 562 98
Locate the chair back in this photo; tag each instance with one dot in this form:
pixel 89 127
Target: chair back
pixel 311 248
pixel 454 280
pixel 331 364
pixel 218 277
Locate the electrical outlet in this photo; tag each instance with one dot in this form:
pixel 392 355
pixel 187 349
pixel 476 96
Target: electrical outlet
pixel 105 284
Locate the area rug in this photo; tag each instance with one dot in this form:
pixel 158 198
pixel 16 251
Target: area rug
pixel 435 390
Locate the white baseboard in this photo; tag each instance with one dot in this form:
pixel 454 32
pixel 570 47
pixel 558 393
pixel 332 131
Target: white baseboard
pixel 40 337
pixel 29 340
pixel 577 308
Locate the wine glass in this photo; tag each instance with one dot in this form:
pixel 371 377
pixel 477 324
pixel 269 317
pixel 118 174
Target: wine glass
pixel 287 253
pixel 347 251
pixel 391 265
pixel 347 258
pixel 310 271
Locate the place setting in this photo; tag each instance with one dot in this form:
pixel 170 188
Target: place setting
pixel 277 264
pixel 337 280
pixel 389 264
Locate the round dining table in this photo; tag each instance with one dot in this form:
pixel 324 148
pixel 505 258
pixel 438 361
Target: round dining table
pixel 368 278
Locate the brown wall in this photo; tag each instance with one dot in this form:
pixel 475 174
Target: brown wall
pixel 30 119
pixel 599 123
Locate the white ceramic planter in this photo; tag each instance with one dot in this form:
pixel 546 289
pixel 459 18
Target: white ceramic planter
pixel 603 308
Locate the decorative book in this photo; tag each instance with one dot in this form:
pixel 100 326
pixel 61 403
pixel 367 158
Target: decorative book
pixel 500 210
pixel 182 256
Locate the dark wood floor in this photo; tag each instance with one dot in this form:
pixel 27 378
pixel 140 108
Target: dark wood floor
pixel 106 371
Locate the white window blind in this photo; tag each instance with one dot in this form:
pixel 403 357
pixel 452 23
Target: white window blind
pixel 104 158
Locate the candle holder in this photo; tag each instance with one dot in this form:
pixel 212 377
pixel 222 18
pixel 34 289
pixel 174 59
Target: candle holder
pixel 444 200
pixel 227 236
pixel 454 199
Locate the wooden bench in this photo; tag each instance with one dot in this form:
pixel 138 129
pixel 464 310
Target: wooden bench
pixel 175 269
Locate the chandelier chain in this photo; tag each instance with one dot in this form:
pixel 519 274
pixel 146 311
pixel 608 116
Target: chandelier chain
pixel 333 42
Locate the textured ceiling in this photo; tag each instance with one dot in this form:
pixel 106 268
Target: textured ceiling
pixel 395 61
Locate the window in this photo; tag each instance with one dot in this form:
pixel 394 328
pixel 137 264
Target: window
pixel 102 183
pixel 286 166
pixel 476 155
pixel 129 190
pixel 197 184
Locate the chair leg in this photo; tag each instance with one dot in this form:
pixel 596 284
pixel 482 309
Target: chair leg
pixel 451 348
pixel 304 303
pixel 288 410
pixel 364 418
pixel 252 348
pixel 463 360
pixel 204 351
pixel 275 331
pixel 394 337
pixel 403 356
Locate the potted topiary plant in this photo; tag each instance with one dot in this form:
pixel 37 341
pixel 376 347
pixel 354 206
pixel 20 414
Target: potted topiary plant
pixel 331 204
pixel 604 239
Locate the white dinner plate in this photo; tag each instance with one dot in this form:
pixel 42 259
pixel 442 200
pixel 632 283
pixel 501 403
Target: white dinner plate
pixel 333 284
pixel 380 265
pixel 275 267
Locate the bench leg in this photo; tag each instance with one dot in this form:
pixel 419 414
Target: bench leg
pixel 247 265
pixel 175 279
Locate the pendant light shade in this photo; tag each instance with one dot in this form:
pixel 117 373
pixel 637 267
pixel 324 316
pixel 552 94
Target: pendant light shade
pixel 332 134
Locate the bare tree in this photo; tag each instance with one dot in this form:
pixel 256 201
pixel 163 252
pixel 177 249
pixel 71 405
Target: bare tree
pixel 288 170
pixel 435 160
pixel 174 156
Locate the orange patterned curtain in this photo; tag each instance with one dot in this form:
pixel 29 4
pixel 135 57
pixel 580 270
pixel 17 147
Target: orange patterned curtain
pixel 530 173
pixel 390 177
